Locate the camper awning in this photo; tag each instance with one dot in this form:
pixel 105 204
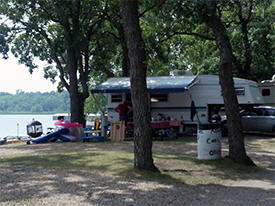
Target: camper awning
pixel 160 84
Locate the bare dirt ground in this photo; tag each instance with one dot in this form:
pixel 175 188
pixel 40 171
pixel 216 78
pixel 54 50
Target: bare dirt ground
pixel 21 185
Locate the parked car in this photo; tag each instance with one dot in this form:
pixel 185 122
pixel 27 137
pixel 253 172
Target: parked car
pixel 257 119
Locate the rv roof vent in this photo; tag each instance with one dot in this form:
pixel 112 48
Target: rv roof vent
pixel 182 73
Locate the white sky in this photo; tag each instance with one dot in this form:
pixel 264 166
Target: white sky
pixel 14 76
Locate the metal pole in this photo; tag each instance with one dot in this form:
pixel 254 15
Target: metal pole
pixel 17 130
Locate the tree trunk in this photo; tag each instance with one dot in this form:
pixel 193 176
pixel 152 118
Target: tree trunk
pixel 247 51
pixel 143 159
pixel 76 98
pixel 125 58
pixel 77 108
pixel 236 139
pixel 245 71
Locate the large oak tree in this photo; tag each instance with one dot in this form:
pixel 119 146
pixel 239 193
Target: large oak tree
pixel 143 159
pixel 236 139
pixel 62 33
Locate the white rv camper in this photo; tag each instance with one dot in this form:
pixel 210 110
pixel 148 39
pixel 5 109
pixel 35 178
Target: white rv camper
pixel 267 89
pixel 171 96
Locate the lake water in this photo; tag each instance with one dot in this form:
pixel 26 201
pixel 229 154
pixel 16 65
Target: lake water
pixel 13 125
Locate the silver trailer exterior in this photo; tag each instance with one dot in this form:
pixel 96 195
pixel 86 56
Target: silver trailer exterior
pixel 267 89
pixel 173 102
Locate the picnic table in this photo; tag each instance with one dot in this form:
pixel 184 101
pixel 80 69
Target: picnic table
pixel 163 128
pixel 162 124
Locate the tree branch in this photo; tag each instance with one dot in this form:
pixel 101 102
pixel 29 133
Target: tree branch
pixel 113 34
pixel 82 74
pixel 189 34
pixel 250 10
pixel 158 4
pixel 55 57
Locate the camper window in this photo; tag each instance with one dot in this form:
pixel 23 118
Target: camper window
pixel 270 112
pixel 159 98
pixel 266 92
pixel 240 91
pixel 116 98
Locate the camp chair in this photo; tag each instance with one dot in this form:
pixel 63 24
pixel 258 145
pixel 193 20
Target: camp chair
pixel 96 129
pixel 93 134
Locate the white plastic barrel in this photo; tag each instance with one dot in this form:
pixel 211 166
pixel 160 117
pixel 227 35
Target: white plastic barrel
pixel 208 141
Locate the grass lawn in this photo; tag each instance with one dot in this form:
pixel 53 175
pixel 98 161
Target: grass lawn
pixel 177 166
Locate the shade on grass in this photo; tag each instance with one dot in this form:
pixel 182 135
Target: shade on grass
pixel 175 168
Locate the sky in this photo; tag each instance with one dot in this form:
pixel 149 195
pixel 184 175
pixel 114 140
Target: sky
pixel 14 76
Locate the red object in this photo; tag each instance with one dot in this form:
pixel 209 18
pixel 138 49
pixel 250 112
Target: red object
pixel 175 123
pixel 68 124
pixel 123 109
pixel 161 124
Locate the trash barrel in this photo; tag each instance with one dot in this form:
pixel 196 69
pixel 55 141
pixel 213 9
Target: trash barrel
pixel 208 141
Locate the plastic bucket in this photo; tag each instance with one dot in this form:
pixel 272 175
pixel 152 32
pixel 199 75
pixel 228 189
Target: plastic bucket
pixel 208 141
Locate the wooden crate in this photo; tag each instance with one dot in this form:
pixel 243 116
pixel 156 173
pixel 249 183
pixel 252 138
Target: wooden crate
pixel 117 131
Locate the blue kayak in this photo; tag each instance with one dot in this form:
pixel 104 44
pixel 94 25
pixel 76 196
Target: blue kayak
pixel 51 136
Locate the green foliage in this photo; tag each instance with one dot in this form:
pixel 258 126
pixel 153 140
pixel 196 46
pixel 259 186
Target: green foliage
pixel 252 22
pixel 173 36
pixel 173 31
pixel 46 29
pixel 66 35
pixel 92 106
pixel 178 39
pixel 34 102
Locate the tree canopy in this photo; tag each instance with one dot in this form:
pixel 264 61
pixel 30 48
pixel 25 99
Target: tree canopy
pixel 186 43
pixel 62 33
pixel 174 35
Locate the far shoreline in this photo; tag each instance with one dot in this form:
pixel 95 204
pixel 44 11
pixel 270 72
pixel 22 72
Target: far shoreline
pixel 29 113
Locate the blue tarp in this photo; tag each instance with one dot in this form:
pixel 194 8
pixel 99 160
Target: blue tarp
pixel 160 84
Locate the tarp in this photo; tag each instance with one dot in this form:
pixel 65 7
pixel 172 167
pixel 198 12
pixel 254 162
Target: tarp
pixel 156 84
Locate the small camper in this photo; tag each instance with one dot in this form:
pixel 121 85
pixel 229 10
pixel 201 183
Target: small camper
pixel 267 89
pixel 188 98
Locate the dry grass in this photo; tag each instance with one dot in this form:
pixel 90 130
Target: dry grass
pixel 176 159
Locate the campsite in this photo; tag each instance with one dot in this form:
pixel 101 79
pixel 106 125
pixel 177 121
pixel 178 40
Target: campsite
pixel 163 102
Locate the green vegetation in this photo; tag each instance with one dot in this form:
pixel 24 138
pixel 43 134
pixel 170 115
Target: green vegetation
pixel 21 102
pixel 107 158
pixel 92 106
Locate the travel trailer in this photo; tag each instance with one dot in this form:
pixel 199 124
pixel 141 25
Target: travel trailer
pixel 177 97
pixel 267 89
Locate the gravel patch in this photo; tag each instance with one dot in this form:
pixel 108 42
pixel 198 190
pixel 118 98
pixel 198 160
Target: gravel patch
pixel 30 186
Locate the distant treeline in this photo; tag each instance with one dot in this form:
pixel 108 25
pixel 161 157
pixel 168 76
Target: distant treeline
pixel 34 102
